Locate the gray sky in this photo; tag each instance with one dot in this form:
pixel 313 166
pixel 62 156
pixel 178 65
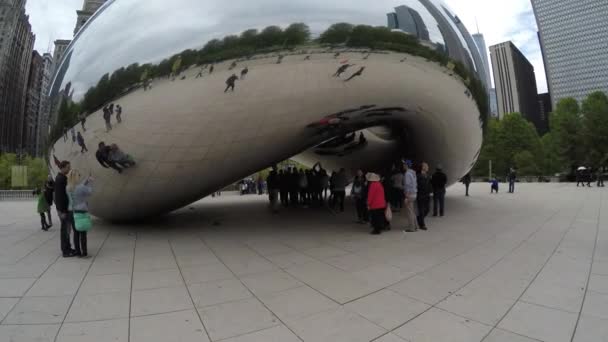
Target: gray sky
pixel 498 20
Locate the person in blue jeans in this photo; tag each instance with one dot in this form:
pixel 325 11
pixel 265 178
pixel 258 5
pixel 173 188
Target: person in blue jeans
pixel 438 182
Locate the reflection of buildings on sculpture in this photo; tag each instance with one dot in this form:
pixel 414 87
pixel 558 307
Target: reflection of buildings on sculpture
pixel 89 7
pixel 408 20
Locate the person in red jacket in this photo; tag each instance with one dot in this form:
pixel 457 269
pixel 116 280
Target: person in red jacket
pixel 376 203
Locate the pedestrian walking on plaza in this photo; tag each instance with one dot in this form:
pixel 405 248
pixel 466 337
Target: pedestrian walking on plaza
pixel 339 184
pixel 230 82
pixel 423 198
pixel 43 208
pixel 62 204
pixel 359 193
pixel 376 203
pixel 466 180
pixel 118 113
pixel 81 143
pixel 600 178
pixel 49 188
pixel 512 178
pixel 439 181
pixel 410 186
pixel 79 190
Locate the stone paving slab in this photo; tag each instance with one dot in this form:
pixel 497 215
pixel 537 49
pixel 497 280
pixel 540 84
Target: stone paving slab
pixel 529 266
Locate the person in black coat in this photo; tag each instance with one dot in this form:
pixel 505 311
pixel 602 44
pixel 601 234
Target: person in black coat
pixel 62 205
pixel 466 180
pixel 439 181
pixel 359 193
pixel 49 188
pixel 423 197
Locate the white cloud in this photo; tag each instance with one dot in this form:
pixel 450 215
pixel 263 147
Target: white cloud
pixel 51 20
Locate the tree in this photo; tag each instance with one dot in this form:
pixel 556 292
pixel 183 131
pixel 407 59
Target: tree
pixel 336 34
pixel 525 162
pixel 296 34
pixel 271 36
pixel 566 126
pixel 249 38
pixel 549 162
pixel 595 128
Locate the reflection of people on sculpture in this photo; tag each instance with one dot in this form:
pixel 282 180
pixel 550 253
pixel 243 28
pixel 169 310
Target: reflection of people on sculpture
pixel 211 69
pixel 232 66
pixel 107 116
pixel 200 73
pixel 358 73
pixel 280 59
pixel 342 69
pixel 120 158
pixel 73 132
pixel 83 120
pixel 362 139
pixel 83 147
pixel 65 134
pixel 307 58
pixel 230 82
pixel 103 157
pixel 118 113
pixel 244 73
pixel 337 55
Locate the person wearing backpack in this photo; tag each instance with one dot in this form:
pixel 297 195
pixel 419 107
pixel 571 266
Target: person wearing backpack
pixel 79 192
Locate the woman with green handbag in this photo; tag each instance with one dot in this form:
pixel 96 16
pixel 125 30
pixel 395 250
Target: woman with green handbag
pixel 79 192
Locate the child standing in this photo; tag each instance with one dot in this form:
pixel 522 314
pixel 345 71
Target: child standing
pixel 43 208
pixel 494 185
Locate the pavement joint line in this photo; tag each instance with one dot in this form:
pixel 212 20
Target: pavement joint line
pixel 248 289
pixel 54 236
pixel 597 232
pixel 564 234
pixel 29 288
pixel 131 287
pixel 80 285
pixel 200 318
pixel 538 229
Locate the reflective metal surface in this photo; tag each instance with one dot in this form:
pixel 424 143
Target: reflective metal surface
pixel 299 91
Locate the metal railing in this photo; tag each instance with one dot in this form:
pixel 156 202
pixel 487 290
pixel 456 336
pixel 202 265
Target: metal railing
pixel 10 195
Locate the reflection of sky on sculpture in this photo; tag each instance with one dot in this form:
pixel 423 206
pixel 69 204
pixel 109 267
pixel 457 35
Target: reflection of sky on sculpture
pixel 134 31
pixel 431 23
pixel 450 14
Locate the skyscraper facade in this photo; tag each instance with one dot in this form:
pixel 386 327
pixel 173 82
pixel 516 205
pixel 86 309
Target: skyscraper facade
pixel 515 83
pixel 32 104
pixel 89 7
pixel 408 20
pixel 573 38
pixel 480 42
pixel 44 111
pixel 493 103
pixel 16 44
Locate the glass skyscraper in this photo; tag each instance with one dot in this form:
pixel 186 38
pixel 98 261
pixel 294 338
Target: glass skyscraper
pixel 573 38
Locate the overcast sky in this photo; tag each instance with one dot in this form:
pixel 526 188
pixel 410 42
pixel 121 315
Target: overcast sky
pixel 498 20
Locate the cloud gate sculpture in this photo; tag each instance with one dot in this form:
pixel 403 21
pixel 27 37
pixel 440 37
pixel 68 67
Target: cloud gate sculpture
pixel 211 91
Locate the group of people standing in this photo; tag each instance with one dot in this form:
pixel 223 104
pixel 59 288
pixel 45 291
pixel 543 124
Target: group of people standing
pixel 294 187
pixel 375 197
pixel 70 192
pixel 584 175
pixel 113 157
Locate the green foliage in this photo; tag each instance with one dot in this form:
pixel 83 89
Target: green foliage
pixel 297 34
pixel 525 163
pixel 336 34
pixel 595 129
pixel 566 127
pixel 508 142
pixel 550 163
pixel 37 170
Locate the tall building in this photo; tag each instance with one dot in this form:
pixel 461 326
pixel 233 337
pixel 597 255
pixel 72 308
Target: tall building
pixel 573 38
pixel 408 20
pixel 16 44
pixel 60 46
pixel 515 83
pixel 544 109
pixel 32 104
pixel 44 110
pixel 480 42
pixel 89 7
pixel 493 103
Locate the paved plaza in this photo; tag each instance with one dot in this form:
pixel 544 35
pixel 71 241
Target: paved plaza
pixel 523 267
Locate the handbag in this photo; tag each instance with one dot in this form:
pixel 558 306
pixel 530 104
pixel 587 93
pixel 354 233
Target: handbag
pixel 82 222
pixel 388 214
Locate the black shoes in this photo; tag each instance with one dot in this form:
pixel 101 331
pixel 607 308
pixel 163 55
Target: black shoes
pixel 423 227
pixel 375 232
pixel 69 254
